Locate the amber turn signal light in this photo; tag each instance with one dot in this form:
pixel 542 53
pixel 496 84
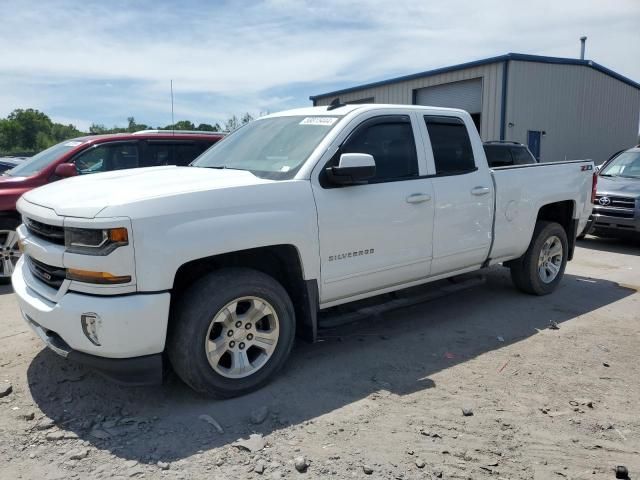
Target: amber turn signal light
pixel 102 278
pixel 119 235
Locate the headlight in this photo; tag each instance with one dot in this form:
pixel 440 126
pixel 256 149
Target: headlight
pixel 89 241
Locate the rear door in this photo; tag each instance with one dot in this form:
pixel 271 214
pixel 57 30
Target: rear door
pixel 463 195
pixel 376 235
pixel 171 152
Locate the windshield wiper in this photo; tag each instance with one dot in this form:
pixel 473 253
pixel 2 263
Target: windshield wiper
pixel 606 175
pixel 220 167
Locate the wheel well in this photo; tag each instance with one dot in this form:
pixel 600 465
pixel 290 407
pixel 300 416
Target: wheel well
pixel 282 262
pixel 562 213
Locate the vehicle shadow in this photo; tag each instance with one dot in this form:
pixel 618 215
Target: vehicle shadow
pixel 625 246
pixel 5 289
pixel 394 353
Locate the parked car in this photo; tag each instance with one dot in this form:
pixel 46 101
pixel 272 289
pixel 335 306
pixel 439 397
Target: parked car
pixel 7 163
pixel 81 156
pixel 217 266
pixel 506 154
pixel 616 211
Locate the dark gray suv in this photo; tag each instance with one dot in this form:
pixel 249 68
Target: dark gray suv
pixel 616 211
pixel 505 154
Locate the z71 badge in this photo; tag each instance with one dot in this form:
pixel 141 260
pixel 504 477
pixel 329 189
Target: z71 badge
pixel 357 253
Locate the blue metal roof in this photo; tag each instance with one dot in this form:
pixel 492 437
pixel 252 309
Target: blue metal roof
pixel 501 58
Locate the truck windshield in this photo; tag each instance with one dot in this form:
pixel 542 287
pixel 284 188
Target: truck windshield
pixel 626 164
pixel 273 148
pixel 42 159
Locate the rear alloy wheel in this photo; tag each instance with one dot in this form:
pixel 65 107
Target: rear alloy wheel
pixel 9 251
pixel 550 259
pixel 542 266
pixel 230 332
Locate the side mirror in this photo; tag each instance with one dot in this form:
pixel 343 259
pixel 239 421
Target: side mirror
pixel 353 169
pixel 66 170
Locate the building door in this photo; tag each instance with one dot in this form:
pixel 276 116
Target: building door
pixel 464 94
pixel 533 142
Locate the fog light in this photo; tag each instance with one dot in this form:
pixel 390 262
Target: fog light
pixel 90 324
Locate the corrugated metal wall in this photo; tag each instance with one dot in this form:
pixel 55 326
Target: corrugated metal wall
pixel 402 93
pixel 585 113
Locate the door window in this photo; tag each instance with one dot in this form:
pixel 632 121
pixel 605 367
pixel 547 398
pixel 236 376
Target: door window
pixel 185 153
pixel 157 154
pixel 451 145
pixel 107 157
pixel 390 141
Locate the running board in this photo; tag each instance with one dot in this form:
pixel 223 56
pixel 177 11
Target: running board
pixel 362 309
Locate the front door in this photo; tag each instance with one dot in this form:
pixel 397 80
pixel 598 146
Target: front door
pixel 533 142
pixel 377 235
pixel 463 197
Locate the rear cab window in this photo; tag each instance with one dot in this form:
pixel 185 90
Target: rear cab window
pixel 451 145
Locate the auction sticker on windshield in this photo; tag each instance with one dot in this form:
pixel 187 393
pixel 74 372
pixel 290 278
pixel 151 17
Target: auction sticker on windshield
pixel 72 144
pixel 325 121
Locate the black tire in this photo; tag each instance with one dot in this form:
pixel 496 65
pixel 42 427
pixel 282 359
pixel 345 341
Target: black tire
pixel 6 223
pixel 194 313
pixel 524 271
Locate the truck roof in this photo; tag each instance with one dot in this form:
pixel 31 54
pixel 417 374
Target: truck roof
pixel 348 108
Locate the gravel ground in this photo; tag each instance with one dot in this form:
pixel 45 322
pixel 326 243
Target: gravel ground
pixel 483 382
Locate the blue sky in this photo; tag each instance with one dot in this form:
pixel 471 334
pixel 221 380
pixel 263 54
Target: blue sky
pixel 84 61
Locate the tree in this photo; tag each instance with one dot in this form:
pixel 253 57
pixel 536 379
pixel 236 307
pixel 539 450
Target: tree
pixel 32 127
pixel 97 129
pixel 246 118
pixel 183 125
pixel 231 124
pixel 206 127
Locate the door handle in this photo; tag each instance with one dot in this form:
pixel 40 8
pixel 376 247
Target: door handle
pixel 480 191
pixel 418 198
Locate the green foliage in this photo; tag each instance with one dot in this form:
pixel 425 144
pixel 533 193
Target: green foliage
pixel 29 131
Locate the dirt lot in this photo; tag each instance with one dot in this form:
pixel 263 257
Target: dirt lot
pixel 382 398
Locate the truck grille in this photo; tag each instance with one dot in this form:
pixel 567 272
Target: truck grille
pixel 52 276
pixel 615 206
pixel 51 233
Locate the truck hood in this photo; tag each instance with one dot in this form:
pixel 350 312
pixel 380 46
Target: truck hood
pixel 627 187
pixel 86 196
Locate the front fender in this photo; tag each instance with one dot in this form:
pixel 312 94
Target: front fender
pixel 281 213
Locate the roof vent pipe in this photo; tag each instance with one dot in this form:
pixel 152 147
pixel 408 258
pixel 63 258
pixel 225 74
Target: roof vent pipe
pixel 583 41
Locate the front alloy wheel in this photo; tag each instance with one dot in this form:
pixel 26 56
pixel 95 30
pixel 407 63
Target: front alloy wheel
pixel 242 337
pixel 231 331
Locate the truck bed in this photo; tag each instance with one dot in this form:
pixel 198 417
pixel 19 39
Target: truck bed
pixel 522 190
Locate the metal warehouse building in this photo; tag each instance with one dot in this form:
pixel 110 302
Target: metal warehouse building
pixel 561 108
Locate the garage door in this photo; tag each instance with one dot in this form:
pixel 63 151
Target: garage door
pixel 466 95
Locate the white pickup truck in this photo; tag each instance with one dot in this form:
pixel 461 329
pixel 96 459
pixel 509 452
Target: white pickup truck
pixel 217 267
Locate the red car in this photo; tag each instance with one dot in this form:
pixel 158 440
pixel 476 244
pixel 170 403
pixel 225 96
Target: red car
pixel 85 155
